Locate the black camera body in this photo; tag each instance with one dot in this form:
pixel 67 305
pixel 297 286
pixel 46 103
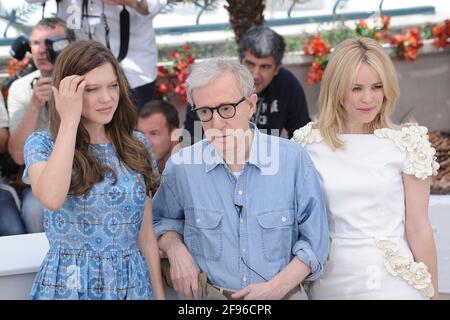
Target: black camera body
pixel 54 46
pixel 20 47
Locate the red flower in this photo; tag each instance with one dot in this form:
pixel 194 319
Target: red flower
pixel 397 39
pixel 317 47
pixel 410 53
pixel 162 71
pixel 447 27
pixel 378 36
pixel 315 73
pixel 172 79
pixel 362 24
pixel 441 35
pixel 15 66
pixel 307 49
pixel 408 45
pixel 437 31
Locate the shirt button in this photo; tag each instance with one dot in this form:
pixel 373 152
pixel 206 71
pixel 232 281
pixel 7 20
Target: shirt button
pixel 243 250
pixel 198 220
pixel 283 219
pixel 240 192
pixel 242 220
pixel 244 279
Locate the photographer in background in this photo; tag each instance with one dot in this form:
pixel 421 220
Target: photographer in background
pixel 10 222
pixel 126 28
pixel 27 100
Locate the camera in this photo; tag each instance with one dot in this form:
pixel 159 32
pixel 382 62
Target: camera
pixel 54 46
pixel 20 47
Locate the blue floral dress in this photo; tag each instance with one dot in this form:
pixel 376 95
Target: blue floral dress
pixel 94 251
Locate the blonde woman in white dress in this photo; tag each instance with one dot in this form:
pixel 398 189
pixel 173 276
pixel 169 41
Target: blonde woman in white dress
pixel 376 179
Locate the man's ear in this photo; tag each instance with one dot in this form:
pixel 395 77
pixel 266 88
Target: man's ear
pixel 252 103
pixel 175 136
pixel 277 69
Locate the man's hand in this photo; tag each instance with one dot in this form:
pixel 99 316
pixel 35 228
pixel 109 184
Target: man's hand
pixel 260 291
pixel 42 91
pixel 184 272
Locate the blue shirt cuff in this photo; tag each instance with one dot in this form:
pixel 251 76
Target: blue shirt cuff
pixel 304 252
pixel 167 225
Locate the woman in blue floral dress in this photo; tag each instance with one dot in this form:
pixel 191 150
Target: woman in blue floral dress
pixel 93 174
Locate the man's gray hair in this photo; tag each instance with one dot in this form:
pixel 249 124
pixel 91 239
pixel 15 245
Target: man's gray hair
pixel 205 72
pixel 53 23
pixel 262 42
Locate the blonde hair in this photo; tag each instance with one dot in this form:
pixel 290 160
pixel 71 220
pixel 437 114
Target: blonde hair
pixel 338 79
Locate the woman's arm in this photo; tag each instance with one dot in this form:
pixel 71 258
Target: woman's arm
pixel 418 228
pixel 50 180
pixel 149 246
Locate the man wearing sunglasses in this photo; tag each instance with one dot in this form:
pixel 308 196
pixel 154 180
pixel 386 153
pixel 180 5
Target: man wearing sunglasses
pixel 240 214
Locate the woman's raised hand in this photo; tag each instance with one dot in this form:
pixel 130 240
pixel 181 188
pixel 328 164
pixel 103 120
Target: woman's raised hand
pixel 69 98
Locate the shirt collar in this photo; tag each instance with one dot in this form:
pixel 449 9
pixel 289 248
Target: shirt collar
pixel 213 158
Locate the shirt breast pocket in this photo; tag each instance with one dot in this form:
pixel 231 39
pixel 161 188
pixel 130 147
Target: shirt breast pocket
pixel 277 229
pixel 204 233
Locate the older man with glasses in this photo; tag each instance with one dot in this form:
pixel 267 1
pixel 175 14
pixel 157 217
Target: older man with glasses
pixel 282 106
pixel 240 214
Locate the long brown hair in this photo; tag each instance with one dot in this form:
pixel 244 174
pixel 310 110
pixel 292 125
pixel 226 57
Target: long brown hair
pixel 78 59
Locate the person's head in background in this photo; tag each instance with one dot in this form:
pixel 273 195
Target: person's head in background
pixel 358 91
pixel 261 50
pixel 45 28
pixel 158 120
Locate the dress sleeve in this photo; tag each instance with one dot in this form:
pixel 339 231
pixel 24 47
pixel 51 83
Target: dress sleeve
pixel 420 154
pixel 38 147
pixel 412 139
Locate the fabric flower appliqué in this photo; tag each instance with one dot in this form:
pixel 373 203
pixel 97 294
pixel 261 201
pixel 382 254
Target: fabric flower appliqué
pixel 413 140
pixel 415 273
pixel 307 135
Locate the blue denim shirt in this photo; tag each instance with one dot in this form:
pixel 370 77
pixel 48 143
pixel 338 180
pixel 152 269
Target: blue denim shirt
pixel 245 230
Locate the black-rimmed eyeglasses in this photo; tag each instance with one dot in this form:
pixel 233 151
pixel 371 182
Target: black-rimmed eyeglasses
pixel 225 110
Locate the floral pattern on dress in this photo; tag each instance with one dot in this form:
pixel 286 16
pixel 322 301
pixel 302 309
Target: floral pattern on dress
pixel 415 273
pixel 94 252
pixel 413 140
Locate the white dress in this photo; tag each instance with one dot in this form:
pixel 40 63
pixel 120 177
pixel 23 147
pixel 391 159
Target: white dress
pixel 369 255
